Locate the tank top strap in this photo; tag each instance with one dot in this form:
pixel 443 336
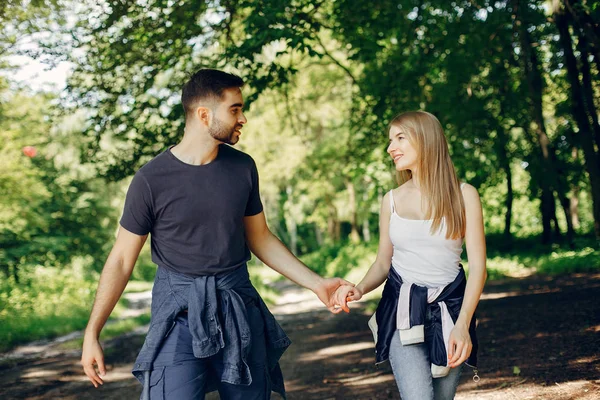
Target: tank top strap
pixel 391 201
pixel 462 185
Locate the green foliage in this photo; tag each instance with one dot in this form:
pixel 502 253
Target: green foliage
pixel 320 260
pixel 121 326
pixel 526 255
pixel 323 80
pixel 52 210
pixel 145 269
pixel 112 329
pixel 44 302
pixel 342 259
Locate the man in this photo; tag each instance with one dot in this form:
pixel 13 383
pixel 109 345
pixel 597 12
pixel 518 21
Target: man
pixel 200 200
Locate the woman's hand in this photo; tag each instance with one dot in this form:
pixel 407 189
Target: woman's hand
pixel 345 294
pixel 459 345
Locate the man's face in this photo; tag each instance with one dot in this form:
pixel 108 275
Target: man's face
pixel 228 117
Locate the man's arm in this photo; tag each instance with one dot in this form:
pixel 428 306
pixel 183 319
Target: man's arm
pixel 272 252
pixel 114 277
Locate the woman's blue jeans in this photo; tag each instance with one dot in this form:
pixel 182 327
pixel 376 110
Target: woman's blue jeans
pixel 412 370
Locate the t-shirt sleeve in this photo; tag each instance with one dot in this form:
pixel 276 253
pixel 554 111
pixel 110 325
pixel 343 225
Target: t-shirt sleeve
pixel 138 213
pixel 254 205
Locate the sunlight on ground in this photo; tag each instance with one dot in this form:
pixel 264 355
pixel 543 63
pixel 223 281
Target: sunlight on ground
pixel 503 266
pixel 593 329
pixel 501 295
pixel 337 351
pixel 119 374
pixel 367 379
pixel 584 360
pixel 38 373
pixel 116 374
pixel 523 390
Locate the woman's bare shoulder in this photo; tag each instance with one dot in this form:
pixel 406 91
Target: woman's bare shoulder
pixel 470 194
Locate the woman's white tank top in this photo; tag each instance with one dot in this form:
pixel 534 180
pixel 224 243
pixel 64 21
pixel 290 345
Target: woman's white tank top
pixel 420 257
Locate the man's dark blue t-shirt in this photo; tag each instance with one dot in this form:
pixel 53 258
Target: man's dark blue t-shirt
pixel 194 213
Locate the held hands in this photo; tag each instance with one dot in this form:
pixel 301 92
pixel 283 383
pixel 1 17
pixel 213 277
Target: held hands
pixel 459 345
pixel 326 292
pixel 345 294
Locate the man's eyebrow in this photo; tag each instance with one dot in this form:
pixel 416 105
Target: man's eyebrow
pixel 236 105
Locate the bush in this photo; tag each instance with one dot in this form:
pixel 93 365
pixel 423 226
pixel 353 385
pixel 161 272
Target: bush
pixel 46 302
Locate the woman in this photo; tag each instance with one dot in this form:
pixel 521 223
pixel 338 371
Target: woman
pixel 424 323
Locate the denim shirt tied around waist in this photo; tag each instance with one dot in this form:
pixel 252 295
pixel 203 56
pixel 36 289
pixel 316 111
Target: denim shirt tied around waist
pixel 216 306
pixel 452 295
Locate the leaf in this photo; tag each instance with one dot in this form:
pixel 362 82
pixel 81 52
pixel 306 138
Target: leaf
pixel 516 371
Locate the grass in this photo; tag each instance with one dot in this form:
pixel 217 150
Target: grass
pixel 138 286
pixel 113 328
pixel 48 302
pixel 525 256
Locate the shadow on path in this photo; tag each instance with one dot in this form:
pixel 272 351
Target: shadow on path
pixel 539 339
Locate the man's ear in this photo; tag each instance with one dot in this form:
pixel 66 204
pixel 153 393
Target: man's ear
pixel 204 115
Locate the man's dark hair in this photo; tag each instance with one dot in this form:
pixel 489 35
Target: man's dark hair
pixel 207 84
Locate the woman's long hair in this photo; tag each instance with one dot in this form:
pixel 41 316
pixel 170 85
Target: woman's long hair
pixel 436 174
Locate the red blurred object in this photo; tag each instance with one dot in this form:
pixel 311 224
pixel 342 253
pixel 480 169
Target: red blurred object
pixel 29 151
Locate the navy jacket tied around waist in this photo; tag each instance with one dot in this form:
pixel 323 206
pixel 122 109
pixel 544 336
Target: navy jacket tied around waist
pixel 451 295
pixel 216 306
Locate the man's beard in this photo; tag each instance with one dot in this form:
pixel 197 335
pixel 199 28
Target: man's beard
pixel 222 133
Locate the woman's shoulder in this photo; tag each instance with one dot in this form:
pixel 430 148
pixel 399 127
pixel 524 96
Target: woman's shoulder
pixel 467 188
pixel 470 194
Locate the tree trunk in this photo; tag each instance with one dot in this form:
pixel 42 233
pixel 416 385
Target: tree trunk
pixel 574 201
pixel 574 205
pixel 319 235
pixel 366 229
pixel 546 201
pixel 333 225
pixel 534 82
pixel 584 22
pixel 292 227
pixel 578 110
pixel 354 236
pixel 504 160
pixel 508 204
pixel 588 88
pixel 557 234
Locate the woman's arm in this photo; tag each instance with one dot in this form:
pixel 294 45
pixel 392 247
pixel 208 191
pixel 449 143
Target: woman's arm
pixel 378 271
pixel 460 341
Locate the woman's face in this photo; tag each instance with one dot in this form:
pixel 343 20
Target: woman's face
pixel 401 150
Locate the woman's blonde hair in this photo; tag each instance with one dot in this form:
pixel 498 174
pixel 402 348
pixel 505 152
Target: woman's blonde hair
pixel 436 174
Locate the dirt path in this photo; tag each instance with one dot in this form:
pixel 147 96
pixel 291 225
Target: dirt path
pixel 540 339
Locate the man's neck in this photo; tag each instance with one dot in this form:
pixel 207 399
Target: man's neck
pixel 196 148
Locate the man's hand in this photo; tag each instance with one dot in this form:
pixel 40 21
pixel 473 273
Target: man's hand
pixel 93 354
pixel 114 277
pixel 326 290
